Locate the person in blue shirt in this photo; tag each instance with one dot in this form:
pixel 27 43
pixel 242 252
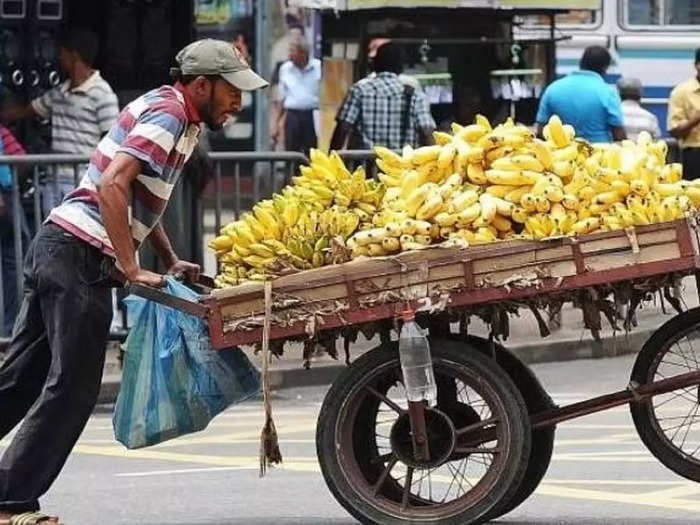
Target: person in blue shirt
pixel 584 100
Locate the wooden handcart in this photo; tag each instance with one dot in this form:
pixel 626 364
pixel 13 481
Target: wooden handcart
pixel 487 444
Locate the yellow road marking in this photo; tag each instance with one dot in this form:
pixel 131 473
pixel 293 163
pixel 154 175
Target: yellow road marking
pixel 687 489
pixel 555 487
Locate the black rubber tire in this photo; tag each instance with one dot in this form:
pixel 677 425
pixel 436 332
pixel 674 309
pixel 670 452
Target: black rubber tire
pixel 447 352
pixel 642 412
pixel 537 400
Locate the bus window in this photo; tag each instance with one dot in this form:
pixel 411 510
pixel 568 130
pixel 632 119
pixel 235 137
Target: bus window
pixel 660 13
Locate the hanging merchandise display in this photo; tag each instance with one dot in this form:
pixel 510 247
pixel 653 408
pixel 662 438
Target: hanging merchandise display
pixel 517 82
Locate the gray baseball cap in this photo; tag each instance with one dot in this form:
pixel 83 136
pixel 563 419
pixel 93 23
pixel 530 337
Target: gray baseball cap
pixel 217 57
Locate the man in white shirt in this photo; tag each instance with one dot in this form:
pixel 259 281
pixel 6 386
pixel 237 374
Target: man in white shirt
pixel 298 97
pixel 81 110
pixel 634 117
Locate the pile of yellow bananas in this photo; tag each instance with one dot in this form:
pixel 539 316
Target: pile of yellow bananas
pixel 480 184
pixel 304 227
pixel 477 184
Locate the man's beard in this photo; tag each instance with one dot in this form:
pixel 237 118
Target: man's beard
pixel 206 114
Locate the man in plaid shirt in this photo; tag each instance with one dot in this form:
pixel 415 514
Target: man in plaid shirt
pixel 381 110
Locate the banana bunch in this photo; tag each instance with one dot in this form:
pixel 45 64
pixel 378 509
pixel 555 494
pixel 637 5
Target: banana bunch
pixel 293 236
pixel 304 227
pixel 393 237
pixel 326 181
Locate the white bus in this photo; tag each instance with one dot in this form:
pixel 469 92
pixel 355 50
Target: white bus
pixel 652 40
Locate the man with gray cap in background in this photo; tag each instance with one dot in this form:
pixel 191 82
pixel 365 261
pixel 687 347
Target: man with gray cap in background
pixel 635 118
pixel 53 366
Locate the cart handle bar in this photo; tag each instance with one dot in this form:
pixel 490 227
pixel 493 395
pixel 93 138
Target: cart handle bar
pixel 161 297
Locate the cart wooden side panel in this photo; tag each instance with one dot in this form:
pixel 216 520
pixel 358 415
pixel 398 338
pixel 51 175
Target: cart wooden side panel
pixel 369 290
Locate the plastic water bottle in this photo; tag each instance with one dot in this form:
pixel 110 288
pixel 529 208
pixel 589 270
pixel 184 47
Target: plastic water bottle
pixel 416 364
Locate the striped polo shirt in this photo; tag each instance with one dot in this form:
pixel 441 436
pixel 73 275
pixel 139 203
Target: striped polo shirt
pixel 80 116
pixel 161 129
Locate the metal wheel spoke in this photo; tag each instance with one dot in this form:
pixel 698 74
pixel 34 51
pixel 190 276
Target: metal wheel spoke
pixel 477 450
pixel 382 397
pixel 476 426
pixel 480 461
pixel 385 474
pixel 407 488
pixel 383 458
pixel 459 473
pixel 673 363
pixel 691 354
pixel 677 428
pixel 449 487
pixel 690 425
pixel 676 395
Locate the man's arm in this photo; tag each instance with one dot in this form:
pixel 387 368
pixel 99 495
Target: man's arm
pixel 341 135
pixel 113 195
pixel 618 133
pixel 278 112
pixel 544 112
pixel 683 127
pixel 279 116
pixel 425 136
pixel 346 119
pixel 680 122
pixel 615 120
pixel 15 113
pixel 424 119
pixel 164 248
pixel 540 130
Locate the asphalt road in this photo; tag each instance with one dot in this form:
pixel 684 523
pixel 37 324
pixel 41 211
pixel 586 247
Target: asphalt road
pixel 601 473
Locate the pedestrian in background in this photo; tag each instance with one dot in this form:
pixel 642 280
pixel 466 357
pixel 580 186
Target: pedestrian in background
pixel 298 98
pixel 382 110
pixel 81 109
pixel 8 271
pixel 684 121
pixel 584 100
pixel 372 47
pixel 634 117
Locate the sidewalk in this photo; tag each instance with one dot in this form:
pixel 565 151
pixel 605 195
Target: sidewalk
pixel 571 342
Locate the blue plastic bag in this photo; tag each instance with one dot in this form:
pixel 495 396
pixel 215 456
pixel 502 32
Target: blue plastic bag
pixel 173 382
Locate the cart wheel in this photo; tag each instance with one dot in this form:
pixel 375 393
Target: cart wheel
pixel 479 440
pixel 669 424
pixel 537 400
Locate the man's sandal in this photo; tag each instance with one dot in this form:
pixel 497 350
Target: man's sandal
pixel 30 518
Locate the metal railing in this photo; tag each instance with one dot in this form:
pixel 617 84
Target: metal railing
pixel 239 180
